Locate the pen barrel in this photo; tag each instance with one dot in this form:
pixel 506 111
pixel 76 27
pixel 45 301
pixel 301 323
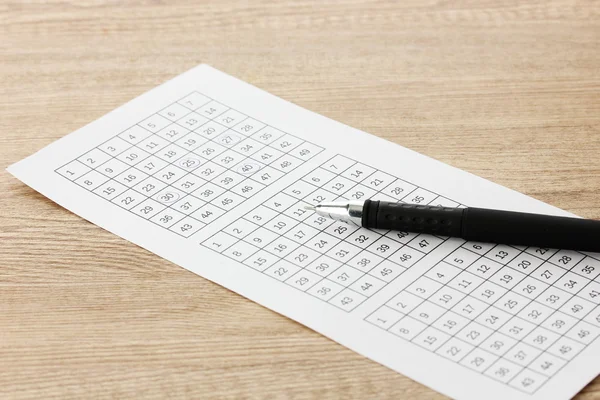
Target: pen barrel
pixel 495 226
pixel 485 225
pixel 443 221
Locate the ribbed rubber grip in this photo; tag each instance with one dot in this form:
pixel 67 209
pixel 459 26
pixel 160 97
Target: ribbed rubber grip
pixel 484 225
pixel 443 221
pixel 526 229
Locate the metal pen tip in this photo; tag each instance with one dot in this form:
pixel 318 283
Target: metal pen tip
pixel 310 208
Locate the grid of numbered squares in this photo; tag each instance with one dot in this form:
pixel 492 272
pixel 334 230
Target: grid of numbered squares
pixel 337 262
pixel 517 315
pixel 188 164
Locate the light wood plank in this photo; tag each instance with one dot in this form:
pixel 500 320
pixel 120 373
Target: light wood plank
pixel 505 90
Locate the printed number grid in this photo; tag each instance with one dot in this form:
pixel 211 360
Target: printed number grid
pixel 517 315
pixel 334 261
pixel 189 163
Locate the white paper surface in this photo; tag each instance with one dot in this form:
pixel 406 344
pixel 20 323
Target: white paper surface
pixel 212 174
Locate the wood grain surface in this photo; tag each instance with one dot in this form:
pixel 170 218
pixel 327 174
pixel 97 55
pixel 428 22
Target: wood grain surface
pixel 508 90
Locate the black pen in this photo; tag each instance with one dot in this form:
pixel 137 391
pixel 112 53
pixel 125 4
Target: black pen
pixel 472 224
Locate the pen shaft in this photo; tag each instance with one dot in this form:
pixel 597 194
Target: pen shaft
pixel 484 225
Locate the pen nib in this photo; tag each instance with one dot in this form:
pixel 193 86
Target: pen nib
pixel 310 208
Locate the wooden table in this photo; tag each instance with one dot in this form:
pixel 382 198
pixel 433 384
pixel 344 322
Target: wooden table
pixel 505 90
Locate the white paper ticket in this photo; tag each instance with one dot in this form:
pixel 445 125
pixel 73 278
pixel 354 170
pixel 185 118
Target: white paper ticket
pixel 214 174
